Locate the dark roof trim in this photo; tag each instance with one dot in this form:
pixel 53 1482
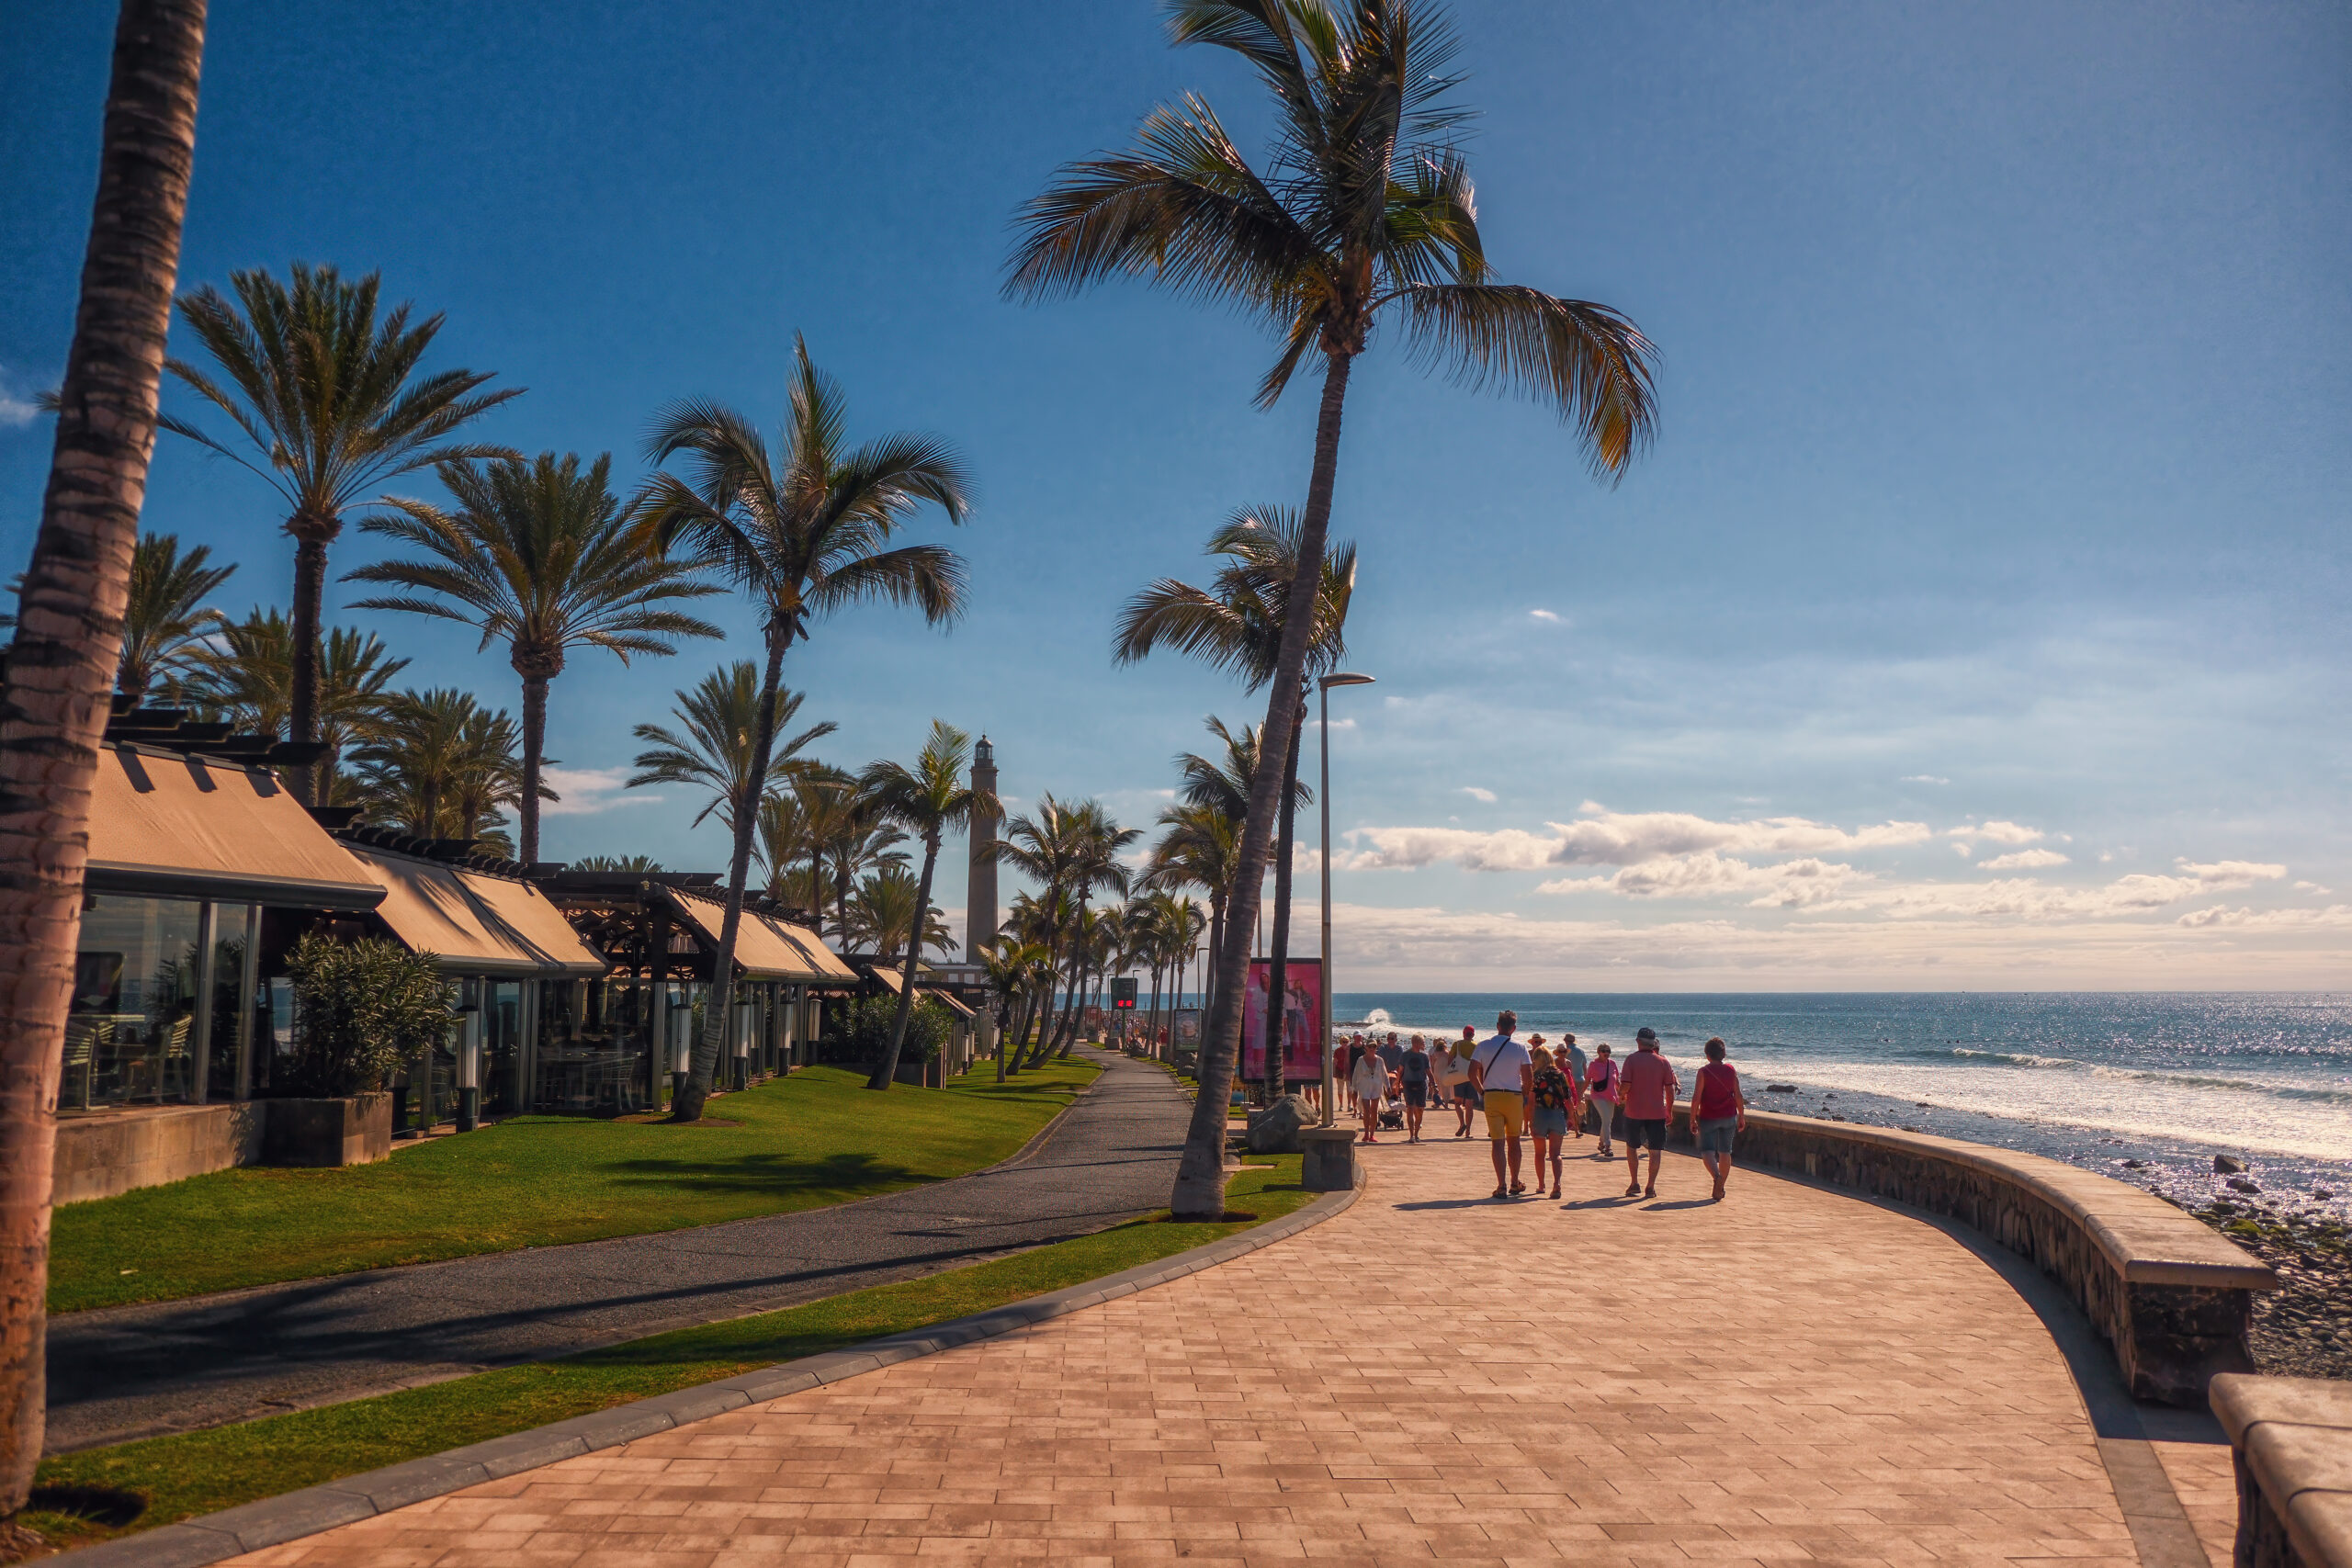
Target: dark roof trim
pixel 105 876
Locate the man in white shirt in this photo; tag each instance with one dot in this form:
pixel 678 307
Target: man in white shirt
pixel 1505 1076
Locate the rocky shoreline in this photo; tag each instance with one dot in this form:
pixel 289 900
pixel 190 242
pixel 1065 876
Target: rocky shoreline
pixel 2303 1329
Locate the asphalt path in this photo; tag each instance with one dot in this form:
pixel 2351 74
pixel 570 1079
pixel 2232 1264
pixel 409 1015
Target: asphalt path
pixel 125 1372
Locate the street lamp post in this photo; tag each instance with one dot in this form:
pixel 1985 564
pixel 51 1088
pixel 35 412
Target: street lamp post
pixel 1323 739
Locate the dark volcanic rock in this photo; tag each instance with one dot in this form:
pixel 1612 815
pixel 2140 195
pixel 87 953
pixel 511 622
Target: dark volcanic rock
pixel 2225 1165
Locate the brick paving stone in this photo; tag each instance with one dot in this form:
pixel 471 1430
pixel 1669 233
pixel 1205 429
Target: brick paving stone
pixel 1787 1377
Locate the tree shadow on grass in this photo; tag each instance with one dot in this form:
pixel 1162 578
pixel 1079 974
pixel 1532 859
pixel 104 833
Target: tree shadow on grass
pixel 771 1173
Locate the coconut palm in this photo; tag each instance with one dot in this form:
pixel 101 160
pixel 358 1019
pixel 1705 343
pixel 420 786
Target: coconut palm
pixel 1237 626
pixel 714 746
pixel 437 764
pixel 1363 215
pixel 165 622
pixel 541 556
pixel 928 800
pixel 804 532
pixel 330 401
pixel 68 645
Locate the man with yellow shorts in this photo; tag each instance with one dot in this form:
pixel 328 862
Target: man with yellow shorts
pixel 1505 1076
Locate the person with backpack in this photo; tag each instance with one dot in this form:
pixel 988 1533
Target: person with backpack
pixel 1500 1068
pixel 1600 1091
pixel 1553 1095
pixel 1413 1083
pixel 1718 1114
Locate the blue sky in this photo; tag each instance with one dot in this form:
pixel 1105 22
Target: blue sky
pixel 2007 352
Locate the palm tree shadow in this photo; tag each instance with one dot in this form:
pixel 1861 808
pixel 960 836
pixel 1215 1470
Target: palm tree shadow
pixel 769 1173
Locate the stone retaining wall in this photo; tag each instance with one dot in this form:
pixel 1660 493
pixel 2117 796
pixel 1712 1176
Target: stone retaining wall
pixel 2291 1442
pixel 109 1152
pixel 2173 1298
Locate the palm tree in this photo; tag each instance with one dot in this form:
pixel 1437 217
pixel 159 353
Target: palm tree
pixel 539 556
pixel 713 746
pixel 246 675
pixel 789 852
pixel 331 402
pixel 1013 966
pixel 857 845
pixel 928 800
pixel 882 914
pixel 353 694
pixel 68 645
pixel 437 764
pixel 165 622
pixel 641 863
pixel 803 531
pixel 1237 626
pixel 1201 847
pixel 1061 848
pixel 1364 213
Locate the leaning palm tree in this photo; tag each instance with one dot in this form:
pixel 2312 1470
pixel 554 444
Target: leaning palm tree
pixel 68 643
pixel 541 556
pixel 330 406
pixel 928 800
pixel 167 620
pixel 1365 214
pixel 1237 626
pixel 803 531
pixel 714 746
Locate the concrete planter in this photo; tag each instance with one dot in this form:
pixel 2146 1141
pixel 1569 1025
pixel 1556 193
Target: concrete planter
pixel 102 1153
pixel 354 1130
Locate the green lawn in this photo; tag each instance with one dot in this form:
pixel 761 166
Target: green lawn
pixel 160 1481
pixel 815 1138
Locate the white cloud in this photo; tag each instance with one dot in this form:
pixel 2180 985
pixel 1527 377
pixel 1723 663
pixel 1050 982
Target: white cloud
pixel 1475 793
pixel 1543 615
pixel 1922 778
pixel 2231 873
pixel 587 790
pixel 15 412
pixel 2222 917
pixel 2313 889
pixel 1793 885
pixel 2023 860
pixel 1964 851
pixel 1999 832
pixel 1602 837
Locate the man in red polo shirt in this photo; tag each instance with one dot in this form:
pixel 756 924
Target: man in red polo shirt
pixel 1649 1087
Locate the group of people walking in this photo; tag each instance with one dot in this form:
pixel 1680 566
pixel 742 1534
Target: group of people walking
pixel 1538 1093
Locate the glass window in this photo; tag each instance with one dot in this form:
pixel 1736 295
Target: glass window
pixel 228 988
pixel 128 1028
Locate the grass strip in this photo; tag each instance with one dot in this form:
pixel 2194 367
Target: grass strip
pixel 103 1493
pixel 816 1138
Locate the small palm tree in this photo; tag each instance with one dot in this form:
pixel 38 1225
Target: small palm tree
pixel 1365 216
pixel 641 863
pixel 1200 847
pixel 1012 967
pixel 245 674
pixel 882 914
pixel 330 406
pixel 789 852
pixel 539 556
pixel 804 532
pixel 1072 851
pixel 713 746
pixel 439 765
pixel 165 622
pixel 928 800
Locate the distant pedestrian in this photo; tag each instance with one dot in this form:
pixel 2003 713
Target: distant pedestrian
pixel 1391 1052
pixel 1548 1120
pixel 1649 1089
pixel 1570 1056
pixel 1369 1083
pixel 1413 1084
pixel 1601 1086
pixel 1719 1112
pixel 1465 1086
pixel 1501 1070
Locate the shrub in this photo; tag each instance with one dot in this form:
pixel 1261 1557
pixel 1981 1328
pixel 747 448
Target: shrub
pixel 360 1010
pixel 865 1030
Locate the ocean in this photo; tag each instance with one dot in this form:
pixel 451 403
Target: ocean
pixel 2168 1081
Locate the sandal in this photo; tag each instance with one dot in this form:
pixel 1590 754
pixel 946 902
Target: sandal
pixel 1517 1188
pixel 1500 1193
pixel 1555 1192
pixel 1635 1191
pixel 1649 1192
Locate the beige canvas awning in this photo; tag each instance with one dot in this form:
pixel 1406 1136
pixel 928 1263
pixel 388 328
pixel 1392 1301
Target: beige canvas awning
pixel 765 947
pixel 888 979
pixel 475 924
pixel 182 827
pixel 950 1003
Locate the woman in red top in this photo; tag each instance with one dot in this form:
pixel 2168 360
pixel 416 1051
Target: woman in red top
pixel 1720 1111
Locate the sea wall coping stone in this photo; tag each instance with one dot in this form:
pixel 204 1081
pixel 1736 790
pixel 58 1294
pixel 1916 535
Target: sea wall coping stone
pixel 2172 1298
pixel 2291 1443
pixel 275 1520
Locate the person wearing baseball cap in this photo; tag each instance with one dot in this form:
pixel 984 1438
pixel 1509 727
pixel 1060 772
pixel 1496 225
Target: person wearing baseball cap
pixel 1649 1087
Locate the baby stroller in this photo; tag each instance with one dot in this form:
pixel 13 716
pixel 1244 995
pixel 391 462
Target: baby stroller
pixel 1392 1117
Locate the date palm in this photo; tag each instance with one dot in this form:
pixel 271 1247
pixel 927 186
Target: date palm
pixel 1364 216
pixel 1070 852
pixel 438 765
pixel 1200 846
pixel 804 531
pixel 246 675
pixel 713 746
pixel 331 405
pixel 789 852
pixel 1237 626
pixel 68 645
pixel 541 556
pixel 929 800
pixel 165 622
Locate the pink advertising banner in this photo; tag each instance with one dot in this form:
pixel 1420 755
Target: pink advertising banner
pixel 1303 1052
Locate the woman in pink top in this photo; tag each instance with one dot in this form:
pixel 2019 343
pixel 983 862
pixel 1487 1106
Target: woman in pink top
pixel 1718 1113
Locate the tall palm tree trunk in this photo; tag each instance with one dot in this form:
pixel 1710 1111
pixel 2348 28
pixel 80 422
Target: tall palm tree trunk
pixel 535 739
pixel 311 535
pixel 1151 1027
pixel 887 1068
pixel 68 643
pixel 1199 1192
pixel 1278 971
pixel 687 1106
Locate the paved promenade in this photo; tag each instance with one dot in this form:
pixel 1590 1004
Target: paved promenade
pixel 132 1372
pixel 1793 1376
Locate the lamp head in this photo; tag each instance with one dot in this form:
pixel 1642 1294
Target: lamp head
pixel 1343 679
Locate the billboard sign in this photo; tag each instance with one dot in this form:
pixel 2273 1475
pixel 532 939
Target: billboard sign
pixel 1302 1021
